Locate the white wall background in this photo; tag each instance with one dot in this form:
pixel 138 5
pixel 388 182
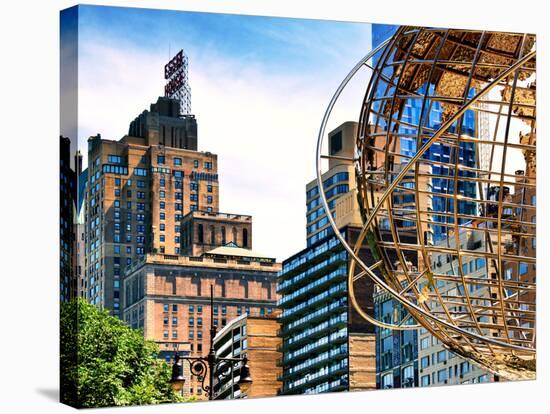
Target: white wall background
pixel 29 211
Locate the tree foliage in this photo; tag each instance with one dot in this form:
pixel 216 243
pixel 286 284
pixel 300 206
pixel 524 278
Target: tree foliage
pixel 106 363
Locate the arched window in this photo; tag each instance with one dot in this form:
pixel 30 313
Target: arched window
pixel 212 235
pixel 245 237
pixel 235 236
pixel 201 235
pixel 223 236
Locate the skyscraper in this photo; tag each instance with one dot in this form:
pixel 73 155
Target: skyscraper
pixel 397 351
pixel 138 191
pixel 326 345
pixel 438 152
pixel 67 197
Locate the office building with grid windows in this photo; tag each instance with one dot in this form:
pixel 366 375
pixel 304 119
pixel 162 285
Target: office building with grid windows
pixel 326 346
pixel 138 191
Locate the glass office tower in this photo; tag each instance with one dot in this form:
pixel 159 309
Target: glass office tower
pixel 397 351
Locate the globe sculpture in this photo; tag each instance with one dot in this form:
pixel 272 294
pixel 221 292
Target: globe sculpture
pixel 445 161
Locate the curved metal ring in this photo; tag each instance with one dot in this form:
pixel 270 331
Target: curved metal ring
pixel 417 156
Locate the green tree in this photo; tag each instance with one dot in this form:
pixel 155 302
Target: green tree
pixel 106 363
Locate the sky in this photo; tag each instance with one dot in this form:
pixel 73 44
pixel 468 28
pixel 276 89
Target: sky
pixel 260 86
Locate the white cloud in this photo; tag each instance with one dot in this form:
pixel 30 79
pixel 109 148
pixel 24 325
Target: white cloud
pixel 263 126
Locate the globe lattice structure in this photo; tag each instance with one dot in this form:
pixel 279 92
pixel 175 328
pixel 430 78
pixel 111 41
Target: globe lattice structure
pixel 445 161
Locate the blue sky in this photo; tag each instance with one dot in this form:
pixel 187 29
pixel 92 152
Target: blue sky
pixel 260 86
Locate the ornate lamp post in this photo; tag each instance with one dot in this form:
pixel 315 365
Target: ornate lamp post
pixel 210 366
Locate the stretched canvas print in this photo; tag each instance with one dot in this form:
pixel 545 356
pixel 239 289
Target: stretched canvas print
pixel 389 172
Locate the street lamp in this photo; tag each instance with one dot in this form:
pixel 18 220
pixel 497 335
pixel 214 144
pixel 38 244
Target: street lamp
pixel 211 365
pixel 178 380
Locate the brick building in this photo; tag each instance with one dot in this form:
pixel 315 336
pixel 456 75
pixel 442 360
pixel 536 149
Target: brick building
pixel 256 339
pixel 138 191
pixel 168 296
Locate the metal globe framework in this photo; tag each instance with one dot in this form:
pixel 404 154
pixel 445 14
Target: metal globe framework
pixel 448 210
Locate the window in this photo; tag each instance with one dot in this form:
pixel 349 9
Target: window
pixel 191 321
pixel 199 335
pixel 178 174
pixel 441 375
pixel 209 199
pixel 425 343
pixel 245 238
pixel 162 205
pixel 117 203
pixel 425 362
pixel 174 334
pixel 208 165
pixel 162 182
pixel 425 380
pixel 209 188
pixel 196 163
pixel 408 376
pixel 336 143
pixel 177 161
pixel 387 380
pixel 161 159
pixel 114 159
pixel 162 226
pixel 194 207
pixel 162 237
pixel 191 308
pixel 175 320
pixel 165 335
pixel 178 206
pixel 193 186
pixel 165 320
pixel 193 197
pixel 141 184
pixel 441 356
pixel 523 267
pixel 200 233
pixel 199 321
pixel 162 216
pixel 162 194
pixel 140 172
pixel 117 192
pixel 199 308
pixel 191 334
pixel 508 274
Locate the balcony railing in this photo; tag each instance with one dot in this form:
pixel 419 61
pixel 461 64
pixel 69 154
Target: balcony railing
pixel 312 287
pixel 318 299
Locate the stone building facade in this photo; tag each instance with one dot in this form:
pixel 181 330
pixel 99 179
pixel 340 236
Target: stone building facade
pixel 168 296
pixel 138 191
pixel 256 339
